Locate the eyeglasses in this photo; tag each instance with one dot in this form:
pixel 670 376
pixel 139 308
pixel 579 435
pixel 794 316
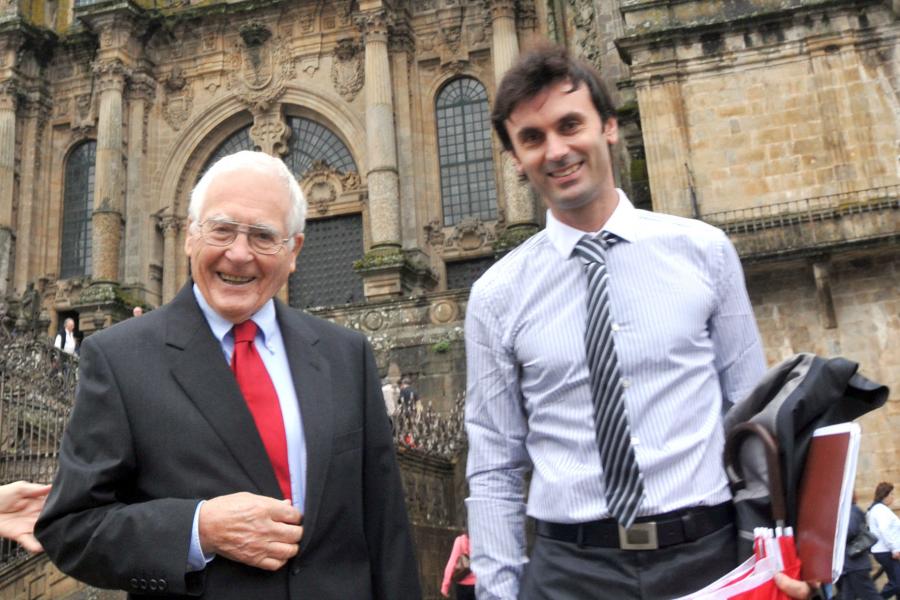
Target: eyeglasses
pixel 219 232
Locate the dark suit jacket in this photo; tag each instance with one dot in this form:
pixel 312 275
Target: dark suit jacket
pixel 159 423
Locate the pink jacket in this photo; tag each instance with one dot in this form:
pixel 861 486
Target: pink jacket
pixel 460 546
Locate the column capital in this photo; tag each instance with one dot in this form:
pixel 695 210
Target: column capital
pixel 10 91
pixel 141 86
pixel 170 224
pixel 110 75
pixel 374 25
pixel 500 9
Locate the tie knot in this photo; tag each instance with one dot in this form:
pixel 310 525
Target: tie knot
pixel 244 332
pixel 593 249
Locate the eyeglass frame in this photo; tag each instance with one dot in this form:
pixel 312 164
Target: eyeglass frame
pixel 246 230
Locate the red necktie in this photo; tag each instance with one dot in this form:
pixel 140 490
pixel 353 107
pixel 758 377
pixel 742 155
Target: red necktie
pixel 262 400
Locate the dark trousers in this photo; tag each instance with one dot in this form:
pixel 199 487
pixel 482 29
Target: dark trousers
pixel 857 585
pixel 892 570
pixel 464 592
pixel 566 571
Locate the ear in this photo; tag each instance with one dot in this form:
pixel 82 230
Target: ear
pixel 516 163
pixel 611 130
pixel 189 240
pixel 295 251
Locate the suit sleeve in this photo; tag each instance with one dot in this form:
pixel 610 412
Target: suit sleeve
pixel 95 526
pixel 391 556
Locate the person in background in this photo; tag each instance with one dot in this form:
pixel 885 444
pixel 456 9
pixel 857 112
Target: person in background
pixel 885 525
pixel 455 571
pixel 65 339
pixel 855 582
pixel 137 311
pixel 20 504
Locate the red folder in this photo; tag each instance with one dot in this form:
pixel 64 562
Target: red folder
pixel 824 501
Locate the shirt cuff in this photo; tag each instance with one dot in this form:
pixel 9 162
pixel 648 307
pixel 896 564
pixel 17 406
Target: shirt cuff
pixel 197 559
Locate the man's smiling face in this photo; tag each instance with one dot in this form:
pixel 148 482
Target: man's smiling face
pixel 561 145
pixel 236 280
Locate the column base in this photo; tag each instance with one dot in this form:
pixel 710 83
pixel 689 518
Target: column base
pixel 391 273
pixel 100 305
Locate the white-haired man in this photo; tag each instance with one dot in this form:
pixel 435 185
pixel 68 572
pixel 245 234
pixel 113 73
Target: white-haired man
pixel 226 446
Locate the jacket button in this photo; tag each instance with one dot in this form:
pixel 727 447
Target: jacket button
pixel 295 570
pixel 162 585
pixel 142 583
pixel 133 582
pixel 153 584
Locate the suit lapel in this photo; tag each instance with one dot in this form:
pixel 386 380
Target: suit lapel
pixel 199 367
pixel 311 375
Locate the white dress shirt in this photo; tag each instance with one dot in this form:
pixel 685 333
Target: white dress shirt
pixel 687 345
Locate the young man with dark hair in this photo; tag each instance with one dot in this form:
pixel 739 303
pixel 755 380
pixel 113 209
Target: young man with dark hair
pixel 600 354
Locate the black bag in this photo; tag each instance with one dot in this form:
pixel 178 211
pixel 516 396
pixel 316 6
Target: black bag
pixel 462 569
pixel 861 543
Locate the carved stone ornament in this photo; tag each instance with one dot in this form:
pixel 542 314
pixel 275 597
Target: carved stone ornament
pixel 469 234
pixel 261 66
pixel 322 186
pixel 347 69
pixel 84 112
pixel 585 30
pixel 434 234
pixel 270 132
pixel 178 100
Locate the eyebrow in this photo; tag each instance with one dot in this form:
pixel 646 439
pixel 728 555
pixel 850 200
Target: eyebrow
pixel 259 226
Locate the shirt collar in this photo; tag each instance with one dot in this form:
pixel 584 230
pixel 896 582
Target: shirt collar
pixel 264 318
pixel 622 223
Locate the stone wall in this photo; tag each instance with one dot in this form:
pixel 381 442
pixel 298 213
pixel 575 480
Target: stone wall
pixel 866 295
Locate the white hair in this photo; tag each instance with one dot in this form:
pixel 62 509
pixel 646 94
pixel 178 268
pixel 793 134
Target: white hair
pixel 247 160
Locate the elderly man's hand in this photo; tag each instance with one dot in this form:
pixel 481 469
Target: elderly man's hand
pixel 20 504
pixel 795 588
pixel 255 530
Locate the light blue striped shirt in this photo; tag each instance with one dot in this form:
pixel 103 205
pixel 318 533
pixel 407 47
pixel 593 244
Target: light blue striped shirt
pixel 270 346
pixel 686 341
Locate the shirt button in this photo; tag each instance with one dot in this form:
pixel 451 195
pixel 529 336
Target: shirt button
pixel 295 571
pixel 615 327
pixel 626 383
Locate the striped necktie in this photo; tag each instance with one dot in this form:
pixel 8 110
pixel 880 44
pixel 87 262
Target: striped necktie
pixel 622 478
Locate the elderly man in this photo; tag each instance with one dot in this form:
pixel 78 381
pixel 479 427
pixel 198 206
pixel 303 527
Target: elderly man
pixel 227 446
pixel 600 355
pixel 65 339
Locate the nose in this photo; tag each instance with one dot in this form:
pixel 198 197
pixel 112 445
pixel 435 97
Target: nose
pixel 557 148
pixel 239 250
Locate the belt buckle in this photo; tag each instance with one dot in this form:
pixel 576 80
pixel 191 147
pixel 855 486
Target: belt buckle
pixel 640 536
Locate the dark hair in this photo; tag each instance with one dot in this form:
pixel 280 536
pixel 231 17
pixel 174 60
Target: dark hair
pixel 883 490
pixel 537 69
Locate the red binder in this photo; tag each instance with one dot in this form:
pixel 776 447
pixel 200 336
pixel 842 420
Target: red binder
pixel 824 501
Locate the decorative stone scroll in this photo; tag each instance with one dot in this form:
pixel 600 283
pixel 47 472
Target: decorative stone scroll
pixel 178 100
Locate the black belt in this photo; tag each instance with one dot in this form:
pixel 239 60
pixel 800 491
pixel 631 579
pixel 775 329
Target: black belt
pixel 647 533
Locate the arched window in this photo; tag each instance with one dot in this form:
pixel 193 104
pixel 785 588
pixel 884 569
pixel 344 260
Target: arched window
pixel 311 142
pixel 324 275
pixel 78 207
pixel 237 141
pixel 468 188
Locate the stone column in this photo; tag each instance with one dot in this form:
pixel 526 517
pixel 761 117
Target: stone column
pixel 141 90
pixel 520 212
pixel 381 148
pixel 110 176
pixel 8 101
pixel 170 226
